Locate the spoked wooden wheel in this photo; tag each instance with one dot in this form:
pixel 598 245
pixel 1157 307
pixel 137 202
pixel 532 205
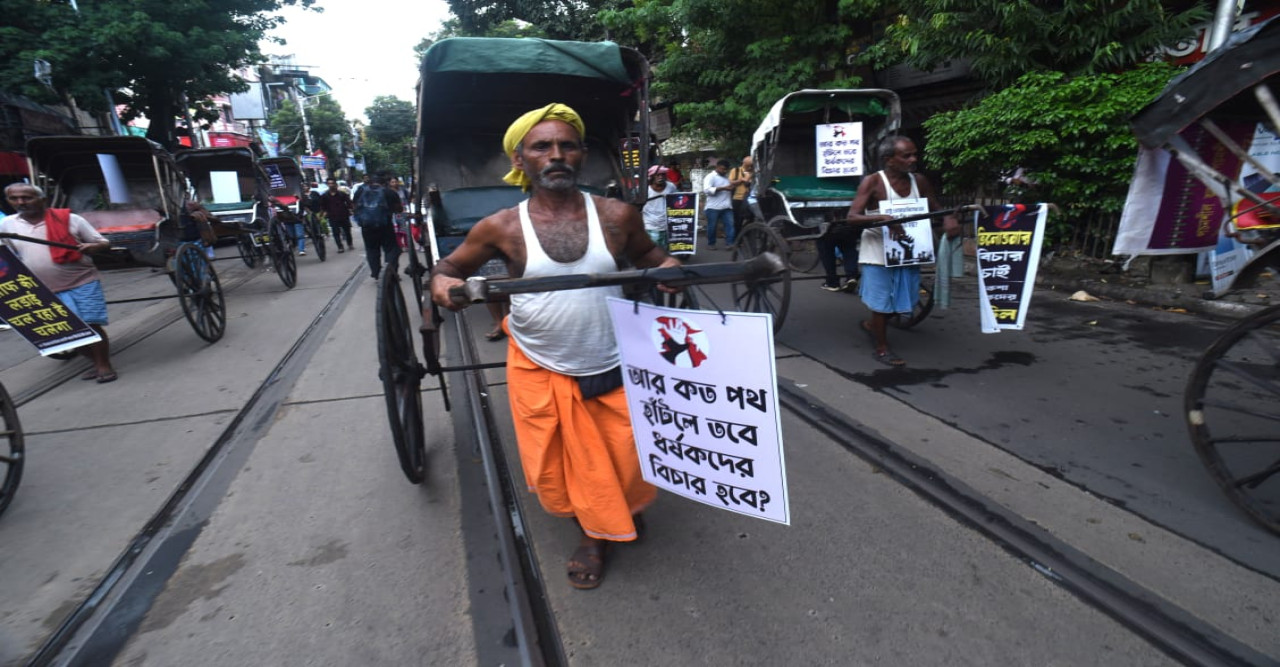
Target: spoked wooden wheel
pixel 922 308
pixel 317 239
pixel 248 251
pixel 766 295
pixel 282 259
pixel 802 254
pixel 12 451
pixel 1233 411
pixel 200 292
pixel 401 376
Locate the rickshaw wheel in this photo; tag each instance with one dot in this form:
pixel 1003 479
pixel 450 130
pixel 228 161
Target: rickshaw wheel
pixel 766 295
pixel 200 292
pixel 922 308
pixel 317 239
pixel 401 376
pixel 415 270
pixel 12 451
pixel 802 254
pixel 1232 410
pixel 248 251
pixel 282 259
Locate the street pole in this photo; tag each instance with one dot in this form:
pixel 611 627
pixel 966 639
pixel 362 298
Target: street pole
pixel 302 111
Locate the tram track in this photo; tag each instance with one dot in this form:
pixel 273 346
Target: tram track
pixel 1179 635
pixel 100 625
pixel 1170 629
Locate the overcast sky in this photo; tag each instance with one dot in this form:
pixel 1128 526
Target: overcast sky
pixel 362 48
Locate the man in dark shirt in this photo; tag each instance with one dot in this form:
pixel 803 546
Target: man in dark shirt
pixel 336 204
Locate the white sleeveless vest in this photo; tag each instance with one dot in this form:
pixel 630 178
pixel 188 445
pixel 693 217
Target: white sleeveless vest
pixel 568 332
pixel 871 248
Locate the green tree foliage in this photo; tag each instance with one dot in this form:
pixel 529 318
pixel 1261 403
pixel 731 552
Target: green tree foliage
pixel 325 121
pixel 152 52
pixel 1005 38
pixel 391 120
pixel 1070 133
pixel 554 19
pixel 725 62
pixel 393 159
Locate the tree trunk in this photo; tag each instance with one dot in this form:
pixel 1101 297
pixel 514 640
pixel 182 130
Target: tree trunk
pixel 161 112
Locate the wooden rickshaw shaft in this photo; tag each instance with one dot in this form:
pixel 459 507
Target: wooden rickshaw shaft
pixel 19 237
pixel 479 289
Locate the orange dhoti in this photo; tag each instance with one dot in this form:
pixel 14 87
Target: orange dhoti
pixel 579 456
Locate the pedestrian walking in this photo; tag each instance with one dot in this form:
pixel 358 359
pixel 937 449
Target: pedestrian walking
pixel 375 208
pixel 337 206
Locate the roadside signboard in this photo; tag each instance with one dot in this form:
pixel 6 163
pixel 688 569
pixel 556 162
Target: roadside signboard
pixel 1009 239
pixel 682 223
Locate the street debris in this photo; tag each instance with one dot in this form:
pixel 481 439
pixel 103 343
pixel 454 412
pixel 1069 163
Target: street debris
pixel 1083 296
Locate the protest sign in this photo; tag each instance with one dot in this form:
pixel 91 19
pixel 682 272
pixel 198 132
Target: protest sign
pixel 682 223
pixel 702 390
pixel 35 312
pixel 916 245
pixel 1009 241
pixel 274 178
pixel 838 149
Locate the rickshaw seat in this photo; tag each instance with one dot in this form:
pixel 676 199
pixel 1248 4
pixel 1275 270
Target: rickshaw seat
pixel 287 200
pixel 462 208
pixel 127 220
pixel 797 188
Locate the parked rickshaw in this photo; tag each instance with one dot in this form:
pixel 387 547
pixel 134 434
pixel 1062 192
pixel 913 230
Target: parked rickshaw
pixel 232 186
pixel 470 90
pixel 132 192
pixel 1232 400
pixel 284 178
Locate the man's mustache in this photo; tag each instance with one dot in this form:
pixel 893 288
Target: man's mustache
pixel 558 169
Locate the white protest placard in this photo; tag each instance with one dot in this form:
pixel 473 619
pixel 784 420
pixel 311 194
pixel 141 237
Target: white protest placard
pixel 117 186
pixel 225 186
pixel 916 245
pixel 703 394
pixel 839 149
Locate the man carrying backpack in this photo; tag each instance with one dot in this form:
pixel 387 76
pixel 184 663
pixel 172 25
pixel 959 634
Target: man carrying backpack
pixel 375 205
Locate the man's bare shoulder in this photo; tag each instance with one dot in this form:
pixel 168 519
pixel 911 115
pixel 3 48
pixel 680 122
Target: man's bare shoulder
pixel 498 225
pixel 614 210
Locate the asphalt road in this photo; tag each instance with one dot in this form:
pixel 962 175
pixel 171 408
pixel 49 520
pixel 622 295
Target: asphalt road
pixel 308 547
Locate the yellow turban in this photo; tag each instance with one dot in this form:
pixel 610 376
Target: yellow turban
pixel 515 134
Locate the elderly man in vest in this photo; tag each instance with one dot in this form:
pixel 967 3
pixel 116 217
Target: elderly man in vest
pixel 68 273
pixel 563 370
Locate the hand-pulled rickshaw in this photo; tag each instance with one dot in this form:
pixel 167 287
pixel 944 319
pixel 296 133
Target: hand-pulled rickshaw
pixel 800 204
pixel 804 189
pixel 232 186
pixel 132 192
pixel 284 178
pixel 1231 401
pixel 471 90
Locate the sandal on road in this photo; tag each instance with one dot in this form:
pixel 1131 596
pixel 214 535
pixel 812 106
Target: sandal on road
pixel 888 358
pixel 586 565
pixel 91 374
pixel 108 377
pixel 495 335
